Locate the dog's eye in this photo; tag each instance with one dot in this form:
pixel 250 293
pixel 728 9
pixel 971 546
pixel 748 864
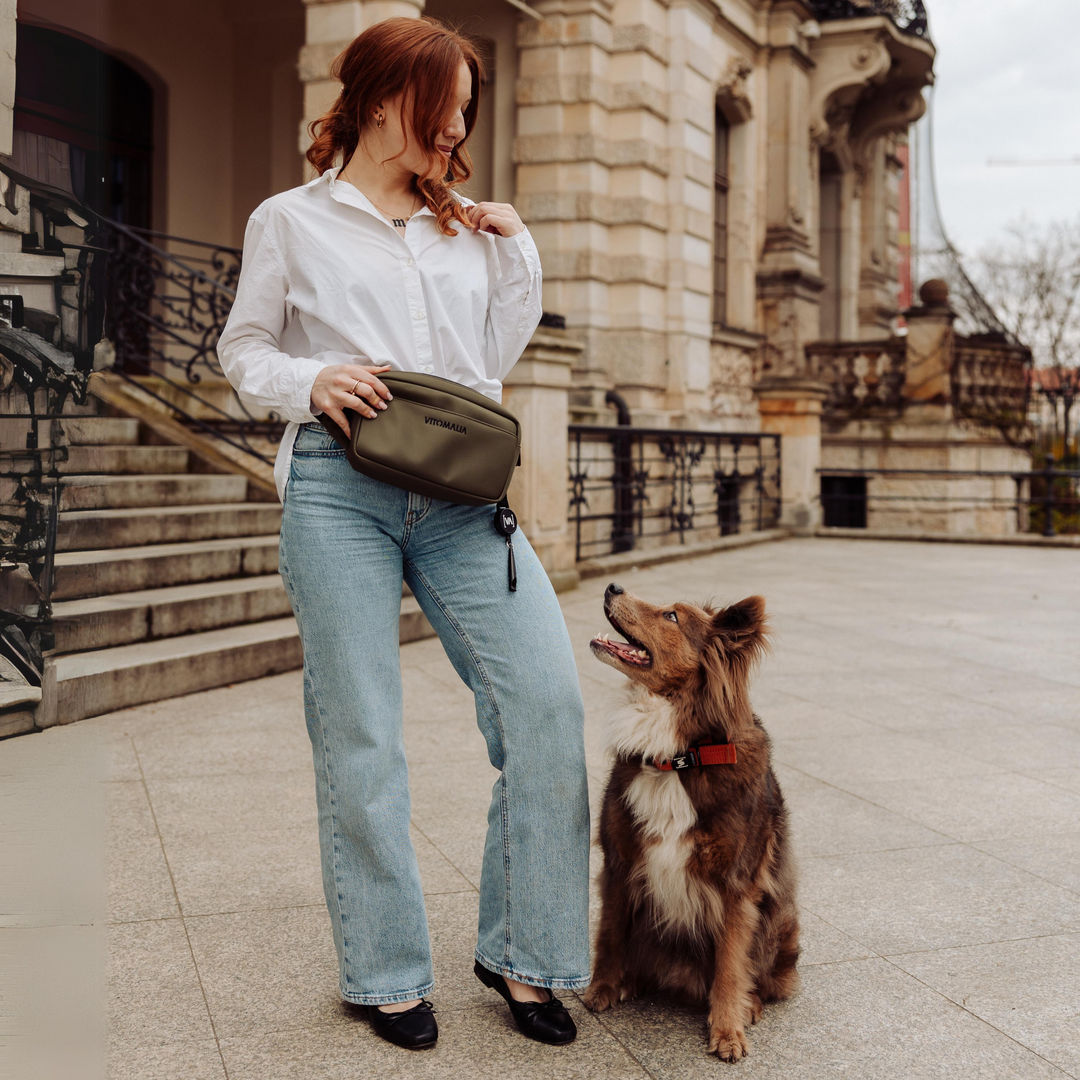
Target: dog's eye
pixel 672 616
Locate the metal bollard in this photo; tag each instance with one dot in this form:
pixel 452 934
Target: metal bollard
pixel 1048 497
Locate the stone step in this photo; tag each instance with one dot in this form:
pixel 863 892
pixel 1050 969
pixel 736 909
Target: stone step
pixel 125 460
pixel 100 430
pixel 84 684
pixel 91 683
pixel 113 570
pixel 100 622
pixel 80 530
pixel 413 625
pixel 101 492
pixel 18 700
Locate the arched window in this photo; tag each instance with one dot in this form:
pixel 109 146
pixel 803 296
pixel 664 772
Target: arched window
pixel 83 123
pixel 720 220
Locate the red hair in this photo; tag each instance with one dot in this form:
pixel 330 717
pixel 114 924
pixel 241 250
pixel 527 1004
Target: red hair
pixel 419 57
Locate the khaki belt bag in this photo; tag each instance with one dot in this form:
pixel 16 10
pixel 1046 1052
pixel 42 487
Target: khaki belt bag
pixel 435 438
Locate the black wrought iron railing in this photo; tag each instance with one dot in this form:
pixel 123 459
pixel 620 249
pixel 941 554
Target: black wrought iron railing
pixel 1042 501
pixel 167 299
pixel 908 15
pixel 163 312
pixel 633 488
pixel 36 381
pixel 159 303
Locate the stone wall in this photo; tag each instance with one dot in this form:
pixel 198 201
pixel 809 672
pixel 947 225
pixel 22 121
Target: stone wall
pixel 908 411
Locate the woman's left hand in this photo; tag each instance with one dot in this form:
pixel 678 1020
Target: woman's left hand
pixel 495 217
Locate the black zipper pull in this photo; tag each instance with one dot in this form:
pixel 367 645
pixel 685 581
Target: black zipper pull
pixel 506 525
pixel 511 566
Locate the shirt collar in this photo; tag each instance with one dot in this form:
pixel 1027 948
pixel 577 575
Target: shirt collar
pixel 344 192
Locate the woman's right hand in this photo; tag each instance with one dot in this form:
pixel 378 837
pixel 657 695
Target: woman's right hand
pixel 350 386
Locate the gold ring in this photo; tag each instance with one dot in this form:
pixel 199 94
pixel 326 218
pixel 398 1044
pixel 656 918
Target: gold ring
pixel 355 385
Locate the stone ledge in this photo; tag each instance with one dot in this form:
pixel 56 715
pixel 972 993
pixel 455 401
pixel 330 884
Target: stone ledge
pixel 613 153
pixel 18 264
pixel 1019 540
pixel 606 564
pixel 588 206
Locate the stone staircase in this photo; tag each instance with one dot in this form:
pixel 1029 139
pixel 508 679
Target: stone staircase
pixel 165 578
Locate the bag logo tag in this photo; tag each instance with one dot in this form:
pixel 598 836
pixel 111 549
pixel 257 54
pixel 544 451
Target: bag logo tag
pixel 459 428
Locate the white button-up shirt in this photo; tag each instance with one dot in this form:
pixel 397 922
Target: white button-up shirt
pixel 326 279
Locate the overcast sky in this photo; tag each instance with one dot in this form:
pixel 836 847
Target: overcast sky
pixel 1008 86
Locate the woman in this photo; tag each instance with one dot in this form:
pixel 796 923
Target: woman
pixel 373 266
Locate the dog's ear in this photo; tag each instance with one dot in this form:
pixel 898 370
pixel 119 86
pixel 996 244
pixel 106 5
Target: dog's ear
pixel 742 628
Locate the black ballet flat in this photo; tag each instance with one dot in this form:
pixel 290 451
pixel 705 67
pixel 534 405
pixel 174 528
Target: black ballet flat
pixel 413 1029
pixel 544 1021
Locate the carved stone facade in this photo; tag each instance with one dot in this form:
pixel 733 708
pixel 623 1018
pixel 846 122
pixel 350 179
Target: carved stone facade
pixel 712 183
pixel 618 115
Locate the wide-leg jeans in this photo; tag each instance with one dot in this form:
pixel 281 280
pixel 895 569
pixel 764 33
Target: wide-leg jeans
pixel 347 542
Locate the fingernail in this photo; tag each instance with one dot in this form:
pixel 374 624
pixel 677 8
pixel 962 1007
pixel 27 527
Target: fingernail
pixel 389 397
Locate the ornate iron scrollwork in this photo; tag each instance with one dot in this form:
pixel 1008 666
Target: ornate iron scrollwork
pixel 679 484
pixel 908 15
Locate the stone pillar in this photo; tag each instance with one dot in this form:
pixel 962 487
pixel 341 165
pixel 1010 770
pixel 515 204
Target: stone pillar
pixel 929 345
pixel 791 408
pixel 564 153
pixel 7 73
pixel 537 392
pixel 789 277
pixel 330 26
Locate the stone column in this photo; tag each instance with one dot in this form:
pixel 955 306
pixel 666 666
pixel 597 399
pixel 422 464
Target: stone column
pixel 929 345
pixel 789 277
pixel 330 26
pixel 537 392
pixel 791 408
pixel 564 154
pixel 7 73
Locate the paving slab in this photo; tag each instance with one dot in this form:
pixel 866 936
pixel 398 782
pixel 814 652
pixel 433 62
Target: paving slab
pixel 933 898
pixel 925 706
pixel 983 979
pixel 155 994
pixel 863 1018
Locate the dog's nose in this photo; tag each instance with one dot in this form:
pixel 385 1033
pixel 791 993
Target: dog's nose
pixel 615 590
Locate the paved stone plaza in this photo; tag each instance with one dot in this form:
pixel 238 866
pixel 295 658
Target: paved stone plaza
pixel 924 701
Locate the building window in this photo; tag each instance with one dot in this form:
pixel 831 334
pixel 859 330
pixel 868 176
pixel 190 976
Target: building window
pixel 83 123
pixel 843 501
pixel 720 221
pixel 831 238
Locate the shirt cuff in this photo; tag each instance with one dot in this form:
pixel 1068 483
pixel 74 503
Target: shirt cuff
pixel 518 257
pixel 305 374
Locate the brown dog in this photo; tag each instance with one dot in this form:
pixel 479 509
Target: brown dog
pixel 698 885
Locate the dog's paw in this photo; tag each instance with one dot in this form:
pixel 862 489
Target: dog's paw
pixel 601 996
pixel 754 1009
pixel 728 1045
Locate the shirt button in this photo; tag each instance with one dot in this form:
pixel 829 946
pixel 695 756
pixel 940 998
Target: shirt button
pixel 417 314
pixel 427 369
pixel 408 262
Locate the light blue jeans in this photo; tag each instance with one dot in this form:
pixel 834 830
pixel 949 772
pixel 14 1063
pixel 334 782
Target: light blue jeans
pixel 346 543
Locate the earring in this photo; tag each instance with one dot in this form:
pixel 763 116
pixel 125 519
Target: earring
pixel 379 121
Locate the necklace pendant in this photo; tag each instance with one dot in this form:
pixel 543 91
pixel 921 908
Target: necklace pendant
pixel 398 222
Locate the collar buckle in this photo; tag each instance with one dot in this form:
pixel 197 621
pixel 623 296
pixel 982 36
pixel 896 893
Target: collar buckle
pixel 689 760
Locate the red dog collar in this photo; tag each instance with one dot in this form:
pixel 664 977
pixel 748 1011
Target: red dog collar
pixel 716 754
